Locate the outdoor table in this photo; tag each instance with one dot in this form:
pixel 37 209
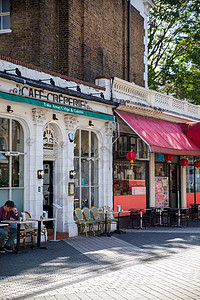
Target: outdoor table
pixel 19 223
pixel 39 221
pixel 118 231
pixel 106 222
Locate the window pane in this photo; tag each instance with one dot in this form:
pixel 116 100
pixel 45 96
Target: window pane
pixel 18 198
pixel 6 22
pixel 84 172
pixel 5 5
pixel 189 179
pixel 77 198
pixel 76 169
pixel 4 140
pixel 197 180
pixel 94 145
pixel 84 143
pixel 3 197
pixel 17 137
pixel 76 143
pixel 94 196
pixel 4 174
pixel 94 172
pixel 129 181
pixel 84 197
pixel 17 171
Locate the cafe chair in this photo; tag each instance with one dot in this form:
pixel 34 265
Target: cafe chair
pixel 184 216
pixel 27 232
pixel 81 222
pixel 135 218
pixel 110 217
pixel 43 228
pixel 97 216
pixel 87 216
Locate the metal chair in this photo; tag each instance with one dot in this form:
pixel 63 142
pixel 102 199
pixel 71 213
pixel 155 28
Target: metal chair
pixel 81 222
pixel 97 216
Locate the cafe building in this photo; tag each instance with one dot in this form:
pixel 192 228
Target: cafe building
pixel 56 138
pixel 157 150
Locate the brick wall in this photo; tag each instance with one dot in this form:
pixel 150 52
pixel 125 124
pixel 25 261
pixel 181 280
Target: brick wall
pixel 77 38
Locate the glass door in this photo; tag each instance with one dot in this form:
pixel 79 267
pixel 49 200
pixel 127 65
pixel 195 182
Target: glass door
pixel 48 190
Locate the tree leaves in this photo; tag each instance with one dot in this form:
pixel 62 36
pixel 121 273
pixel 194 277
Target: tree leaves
pixel 174 48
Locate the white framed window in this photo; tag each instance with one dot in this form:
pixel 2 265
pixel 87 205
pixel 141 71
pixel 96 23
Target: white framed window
pixel 4 16
pixel 86 166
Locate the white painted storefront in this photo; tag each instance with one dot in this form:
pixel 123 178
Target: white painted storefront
pixel 40 124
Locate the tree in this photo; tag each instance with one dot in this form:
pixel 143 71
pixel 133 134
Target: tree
pixel 174 48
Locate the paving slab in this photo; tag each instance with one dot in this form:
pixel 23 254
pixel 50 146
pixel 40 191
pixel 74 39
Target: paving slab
pixel 141 264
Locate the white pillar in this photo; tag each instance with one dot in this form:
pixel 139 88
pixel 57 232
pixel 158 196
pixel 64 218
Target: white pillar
pixel 69 224
pixel 34 201
pixel 152 180
pixel 183 188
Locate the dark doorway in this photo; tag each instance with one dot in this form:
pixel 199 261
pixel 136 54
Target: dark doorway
pixel 48 191
pixel 174 186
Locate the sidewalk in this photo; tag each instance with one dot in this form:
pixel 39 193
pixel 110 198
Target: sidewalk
pixel 157 263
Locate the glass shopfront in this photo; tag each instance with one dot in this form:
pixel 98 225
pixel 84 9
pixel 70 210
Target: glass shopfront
pixel 86 166
pixel 192 182
pixel 11 162
pixel 130 180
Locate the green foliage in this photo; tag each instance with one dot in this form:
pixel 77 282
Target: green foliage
pixel 174 48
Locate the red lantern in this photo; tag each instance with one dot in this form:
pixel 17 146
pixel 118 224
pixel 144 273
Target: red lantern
pixel 131 156
pixel 197 164
pixel 184 162
pixel 168 157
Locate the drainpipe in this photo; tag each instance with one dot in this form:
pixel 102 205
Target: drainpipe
pixel 129 40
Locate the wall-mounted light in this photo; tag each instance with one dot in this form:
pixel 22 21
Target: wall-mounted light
pixel 17 71
pixel 52 82
pixel 72 87
pixel 40 174
pixel 9 109
pixel 54 117
pixel 90 124
pixel 72 174
pixel 101 94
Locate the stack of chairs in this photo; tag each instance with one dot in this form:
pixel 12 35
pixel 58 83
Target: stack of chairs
pixel 89 219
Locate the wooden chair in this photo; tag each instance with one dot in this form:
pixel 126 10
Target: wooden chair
pixel 97 216
pixel 82 223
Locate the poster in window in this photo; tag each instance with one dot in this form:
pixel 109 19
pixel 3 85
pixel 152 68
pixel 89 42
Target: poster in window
pixel 161 192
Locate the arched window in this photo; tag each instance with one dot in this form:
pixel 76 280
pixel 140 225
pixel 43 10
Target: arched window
pixel 86 165
pixel 11 162
pixel 49 139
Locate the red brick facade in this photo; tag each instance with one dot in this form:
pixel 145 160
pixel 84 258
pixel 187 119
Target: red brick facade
pixel 77 38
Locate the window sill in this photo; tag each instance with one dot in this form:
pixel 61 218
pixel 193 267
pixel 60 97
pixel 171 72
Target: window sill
pixel 5 31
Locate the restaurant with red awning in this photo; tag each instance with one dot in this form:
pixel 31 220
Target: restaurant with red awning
pixel 163 173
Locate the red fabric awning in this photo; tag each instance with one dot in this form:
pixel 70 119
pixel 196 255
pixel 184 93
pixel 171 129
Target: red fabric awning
pixel 192 130
pixel 161 136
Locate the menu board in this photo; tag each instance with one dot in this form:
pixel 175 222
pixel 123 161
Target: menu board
pixel 161 192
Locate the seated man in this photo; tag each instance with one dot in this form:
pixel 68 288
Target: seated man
pixel 8 211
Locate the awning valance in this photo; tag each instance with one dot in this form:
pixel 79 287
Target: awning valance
pixel 161 136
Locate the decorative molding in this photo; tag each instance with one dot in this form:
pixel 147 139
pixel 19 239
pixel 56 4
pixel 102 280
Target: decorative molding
pixel 38 115
pixel 71 122
pixel 49 139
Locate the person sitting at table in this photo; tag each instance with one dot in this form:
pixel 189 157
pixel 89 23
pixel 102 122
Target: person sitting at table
pixel 8 211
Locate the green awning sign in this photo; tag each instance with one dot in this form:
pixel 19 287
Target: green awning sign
pixel 67 109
